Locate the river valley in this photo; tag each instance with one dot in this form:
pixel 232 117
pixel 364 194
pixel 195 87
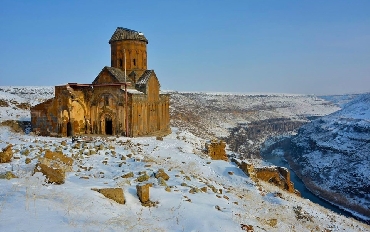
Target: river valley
pixel 274 154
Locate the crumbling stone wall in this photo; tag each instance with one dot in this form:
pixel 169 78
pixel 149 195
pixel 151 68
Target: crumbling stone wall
pixel 79 110
pixel 216 150
pixel 278 176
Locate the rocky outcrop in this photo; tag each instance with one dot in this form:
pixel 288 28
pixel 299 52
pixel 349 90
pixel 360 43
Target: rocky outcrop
pixel 7 154
pixel 17 126
pixel 256 133
pixel 331 156
pixel 13 125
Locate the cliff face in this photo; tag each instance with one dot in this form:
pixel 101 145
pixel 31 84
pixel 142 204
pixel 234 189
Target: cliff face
pixel 257 132
pixel 244 121
pixel 332 155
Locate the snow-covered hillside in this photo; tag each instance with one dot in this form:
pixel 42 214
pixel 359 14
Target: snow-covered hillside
pixel 15 101
pixel 332 155
pixel 216 113
pixel 200 195
pixel 203 195
pixel 244 120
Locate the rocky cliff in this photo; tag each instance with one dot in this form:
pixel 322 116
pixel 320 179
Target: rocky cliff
pixel 332 156
pixel 246 139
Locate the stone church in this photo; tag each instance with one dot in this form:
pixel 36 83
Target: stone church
pixel 123 100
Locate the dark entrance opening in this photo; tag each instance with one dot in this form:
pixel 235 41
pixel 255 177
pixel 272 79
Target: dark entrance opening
pixel 108 126
pixel 69 129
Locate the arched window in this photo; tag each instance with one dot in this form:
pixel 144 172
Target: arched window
pixel 106 100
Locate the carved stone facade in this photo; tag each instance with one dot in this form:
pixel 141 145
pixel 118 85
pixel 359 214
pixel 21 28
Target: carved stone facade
pixel 115 103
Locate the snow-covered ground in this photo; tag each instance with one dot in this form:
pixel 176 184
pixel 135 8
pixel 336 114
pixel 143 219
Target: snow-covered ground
pixel 27 203
pixel 232 199
pixel 11 98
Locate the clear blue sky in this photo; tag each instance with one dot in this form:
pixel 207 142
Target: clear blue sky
pixel 318 47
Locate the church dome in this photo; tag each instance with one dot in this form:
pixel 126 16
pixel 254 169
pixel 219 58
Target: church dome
pixel 122 33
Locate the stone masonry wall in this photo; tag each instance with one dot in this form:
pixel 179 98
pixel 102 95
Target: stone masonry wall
pixel 216 150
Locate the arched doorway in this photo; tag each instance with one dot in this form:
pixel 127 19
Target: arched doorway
pixel 108 125
pixel 69 129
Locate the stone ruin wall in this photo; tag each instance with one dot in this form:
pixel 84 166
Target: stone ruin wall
pixel 278 176
pixel 216 150
pixel 86 110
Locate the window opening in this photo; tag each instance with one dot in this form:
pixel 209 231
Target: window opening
pixel 106 100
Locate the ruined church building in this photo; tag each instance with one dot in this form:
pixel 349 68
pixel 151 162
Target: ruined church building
pixel 115 103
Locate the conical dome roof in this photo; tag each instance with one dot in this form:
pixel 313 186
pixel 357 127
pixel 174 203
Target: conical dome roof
pixel 122 33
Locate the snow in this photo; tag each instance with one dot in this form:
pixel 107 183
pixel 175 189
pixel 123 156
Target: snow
pixel 359 108
pixel 31 94
pixel 14 95
pixel 216 113
pixel 74 206
pixel 334 151
pixel 28 203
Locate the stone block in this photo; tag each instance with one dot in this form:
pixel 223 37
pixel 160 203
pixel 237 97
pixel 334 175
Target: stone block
pixel 27 161
pixel 8 175
pixel 128 175
pixel 143 192
pixel 53 175
pixel 58 156
pixel 115 194
pixel 162 174
pixel 143 178
pixel 7 154
pixel 162 182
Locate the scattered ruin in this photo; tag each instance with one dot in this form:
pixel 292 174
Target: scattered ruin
pixel 115 194
pixel 114 103
pixel 54 166
pixel 6 154
pixel 278 176
pixel 142 191
pixel 216 150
